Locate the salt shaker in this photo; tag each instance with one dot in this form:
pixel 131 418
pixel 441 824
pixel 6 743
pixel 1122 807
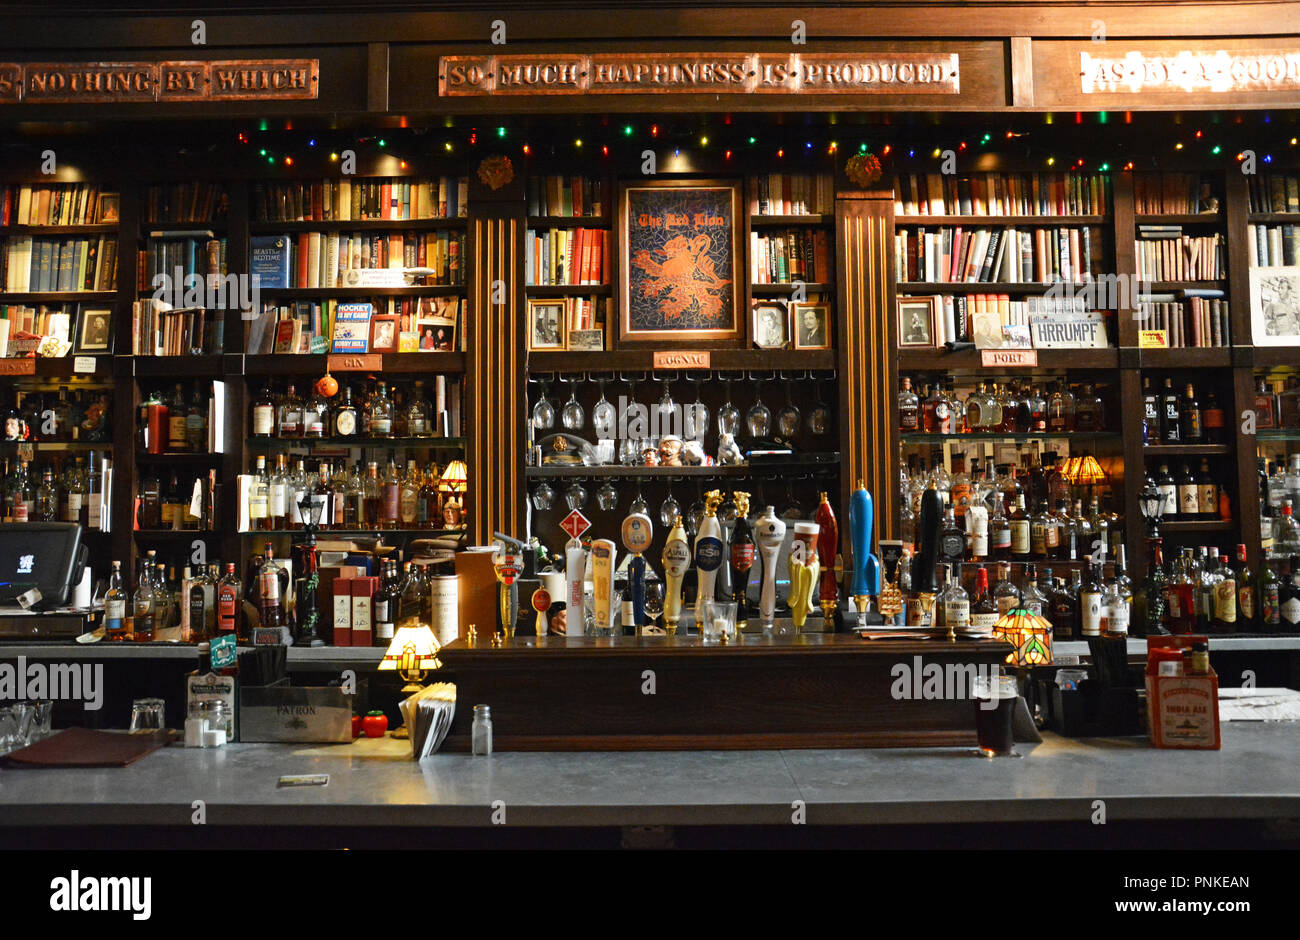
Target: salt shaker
pixel 481 733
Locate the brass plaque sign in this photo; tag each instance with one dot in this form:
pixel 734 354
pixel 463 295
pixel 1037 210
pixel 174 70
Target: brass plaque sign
pixel 864 73
pixel 682 359
pixel 995 358
pixel 360 362
pixel 213 80
pixel 1190 72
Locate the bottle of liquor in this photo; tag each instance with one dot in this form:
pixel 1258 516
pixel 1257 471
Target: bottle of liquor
pixel 999 529
pixel 1149 607
pixel 954 603
pixel 1289 596
pixel 1171 415
pixel 1063 609
pixel 177 439
pixel 1189 495
pixel 196 423
pixel 411 600
pixel 386 602
pixel 1060 409
pixel 952 539
pixel 372 495
pixel 142 604
pixel 1150 413
pixel 1031 598
pixel 1189 418
pixel 271 579
pixel 1089 410
pixel 391 491
pixel 983 609
pixel 1168 493
pixel 1224 614
pixel 417 414
pixel 1005 594
pixel 409 497
pixel 1207 492
pixel 288 414
pixel 1090 600
pixel 960 490
pixel 1020 530
pixel 259 498
pixel 94 482
pixel 115 606
pixel 1075 590
pixel 381 413
pixel 278 491
pixel 1270 600
pixel 264 413
pixel 1247 612
pixel 1207 575
pixel 1265 511
pixel 429 503
pixel 200 600
pixel 1286 532
pixel 74 494
pixel 164 613
pixel 47 498
pixel 1213 420
pixel 909 408
pixel 344 421
pixel 1118 612
pixel 230 603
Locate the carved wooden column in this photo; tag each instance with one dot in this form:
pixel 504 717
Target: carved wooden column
pixel 864 224
pixel 494 369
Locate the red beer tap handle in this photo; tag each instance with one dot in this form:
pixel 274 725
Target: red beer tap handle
pixel 828 547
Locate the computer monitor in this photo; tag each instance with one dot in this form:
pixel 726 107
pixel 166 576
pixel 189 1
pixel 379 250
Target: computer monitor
pixel 42 555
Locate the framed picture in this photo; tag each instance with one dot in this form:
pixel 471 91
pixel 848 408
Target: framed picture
pixel 546 324
pixel 812 325
pixel 436 324
pixel 679 260
pixel 95 330
pixel 916 321
pixel 587 340
pixel 771 324
pixel 109 207
pixel 383 332
pixel 1275 306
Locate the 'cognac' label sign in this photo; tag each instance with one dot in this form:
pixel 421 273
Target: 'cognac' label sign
pixel 881 73
pixel 1187 71
pixel 681 359
pixel 215 80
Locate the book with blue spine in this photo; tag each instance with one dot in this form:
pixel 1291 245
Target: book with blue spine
pixel 269 260
pixel 352 328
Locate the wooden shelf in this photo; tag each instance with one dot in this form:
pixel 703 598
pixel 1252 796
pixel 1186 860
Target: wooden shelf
pixel 747 470
pixel 916 359
pixel 361 293
pixel 566 290
pixel 780 290
pixel 1009 220
pixel 919 437
pixel 1216 284
pixel 186 458
pixel 568 221
pixel 356 225
pixel 178 367
pixel 720 360
pixel 41 231
pixel 1152 451
pixel 1186 358
pixel 982 287
pixel 325 534
pixel 1286 217
pixel 198 225
pixel 59 297
pixel 1180 218
pixel 427 363
pixel 785 221
pixel 409 443
pixel 56 447
pixel 59 367
pixel 1194 526
pixel 176 534
pixel 1269 356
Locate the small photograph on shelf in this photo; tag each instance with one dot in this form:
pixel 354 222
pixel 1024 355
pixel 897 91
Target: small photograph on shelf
pixel 109 207
pixel 812 325
pixel 436 323
pixel 383 333
pixel 546 324
pixel 986 330
pixel 1275 306
pixel 586 340
pixel 771 324
pixel 916 321
pixel 94 330
pixel 1016 336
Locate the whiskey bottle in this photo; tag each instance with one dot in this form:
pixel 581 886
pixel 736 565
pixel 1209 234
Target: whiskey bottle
pixel 1189 418
pixel 1063 608
pixel 264 413
pixel 1207 492
pixel 983 609
pixel 1090 598
pixel 259 495
pixel 115 606
pixel 345 415
pixel 288 414
pixel 1171 411
pixel 1247 613
pixel 908 408
pixel 230 601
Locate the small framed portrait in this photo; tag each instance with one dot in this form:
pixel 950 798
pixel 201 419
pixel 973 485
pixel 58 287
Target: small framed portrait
pixel 1275 306
pixel 771 324
pixel 383 333
pixel 587 340
pixel 546 324
pixel 109 207
pixel 435 334
pixel 95 330
pixel 916 321
pixel 812 325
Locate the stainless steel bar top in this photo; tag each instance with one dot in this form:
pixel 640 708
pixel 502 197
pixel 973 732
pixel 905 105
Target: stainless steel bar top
pixel 375 783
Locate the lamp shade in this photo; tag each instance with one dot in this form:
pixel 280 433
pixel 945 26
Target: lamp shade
pixel 1029 635
pixel 454 477
pixel 1089 472
pixel 1070 472
pixel 412 649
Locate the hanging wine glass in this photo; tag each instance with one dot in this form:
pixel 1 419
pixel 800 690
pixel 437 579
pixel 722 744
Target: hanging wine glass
pixel 666 423
pixel 603 415
pixel 728 414
pixel 727 511
pixel 543 411
pixel 758 420
pixel 669 509
pixel 788 418
pixel 575 497
pixel 695 513
pixel 543 497
pixel 639 503
pixel 571 415
pixel 697 415
pixel 607 497
pixel 819 417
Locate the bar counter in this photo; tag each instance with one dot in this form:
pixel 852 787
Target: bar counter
pixel 374 783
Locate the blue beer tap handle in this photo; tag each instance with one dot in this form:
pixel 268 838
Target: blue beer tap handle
pixel 860 520
pixel 636 586
pixel 871 567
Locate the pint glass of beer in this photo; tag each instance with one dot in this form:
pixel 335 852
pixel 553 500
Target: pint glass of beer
pixel 995 706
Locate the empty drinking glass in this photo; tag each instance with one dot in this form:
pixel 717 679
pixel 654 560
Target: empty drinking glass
pixel 544 411
pixel 575 497
pixel 728 414
pixel 572 415
pixel 543 497
pixel 695 419
pixel 669 509
pixel 788 418
pixel 607 497
pixel 819 416
pixel 719 620
pixel 654 603
pixel 603 416
pixel 148 714
pixel 758 420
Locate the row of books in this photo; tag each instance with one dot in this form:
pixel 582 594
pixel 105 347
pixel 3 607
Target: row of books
pixel 575 256
pixel 1179 193
pixel 344 200
pixel 1273 245
pixel 1196 321
pixel 566 196
pixel 1030 194
pixel 59 321
pixel 584 313
pixel 58 264
pixel 186 202
pixel 322 259
pixel 198 253
pixel 1164 253
pixel 794 255
pixel 1008 256
pixel 388 325
pixel 792 194
pixel 160 330
pixel 57 204
pixel 1274 192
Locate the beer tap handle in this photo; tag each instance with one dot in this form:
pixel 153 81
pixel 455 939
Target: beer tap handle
pixel 575 568
pixel 925 563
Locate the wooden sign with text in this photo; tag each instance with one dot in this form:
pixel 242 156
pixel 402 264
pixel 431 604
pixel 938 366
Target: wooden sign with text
pixel 734 73
pixel 1189 71
pixel 995 358
pixel 24 366
pixel 213 80
pixel 682 360
pixel 367 362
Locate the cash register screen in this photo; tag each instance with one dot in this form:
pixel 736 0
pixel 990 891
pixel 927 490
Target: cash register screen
pixel 38 555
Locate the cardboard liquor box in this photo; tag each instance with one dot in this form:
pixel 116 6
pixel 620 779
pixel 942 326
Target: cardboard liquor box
pixel 1182 710
pixel 325 601
pixel 363 593
pixel 280 712
pixel 341 612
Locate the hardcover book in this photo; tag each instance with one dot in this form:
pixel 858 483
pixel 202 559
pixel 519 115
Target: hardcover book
pixel 352 328
pixel 269 260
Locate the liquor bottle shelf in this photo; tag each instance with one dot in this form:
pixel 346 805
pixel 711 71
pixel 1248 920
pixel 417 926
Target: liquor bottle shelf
pixel 181 458
pixel 357 225
pixel 1191 357
pixel 428 363
pixel 176 534
pixel 181 367
pixel 927 359
pixel 747 470
pixel 1196 526
pixel 1153 451
pixel 978 220
pixel 919 437
pixel 414 443
pixel 720 360
pixel 56 447
pixel 1278 434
